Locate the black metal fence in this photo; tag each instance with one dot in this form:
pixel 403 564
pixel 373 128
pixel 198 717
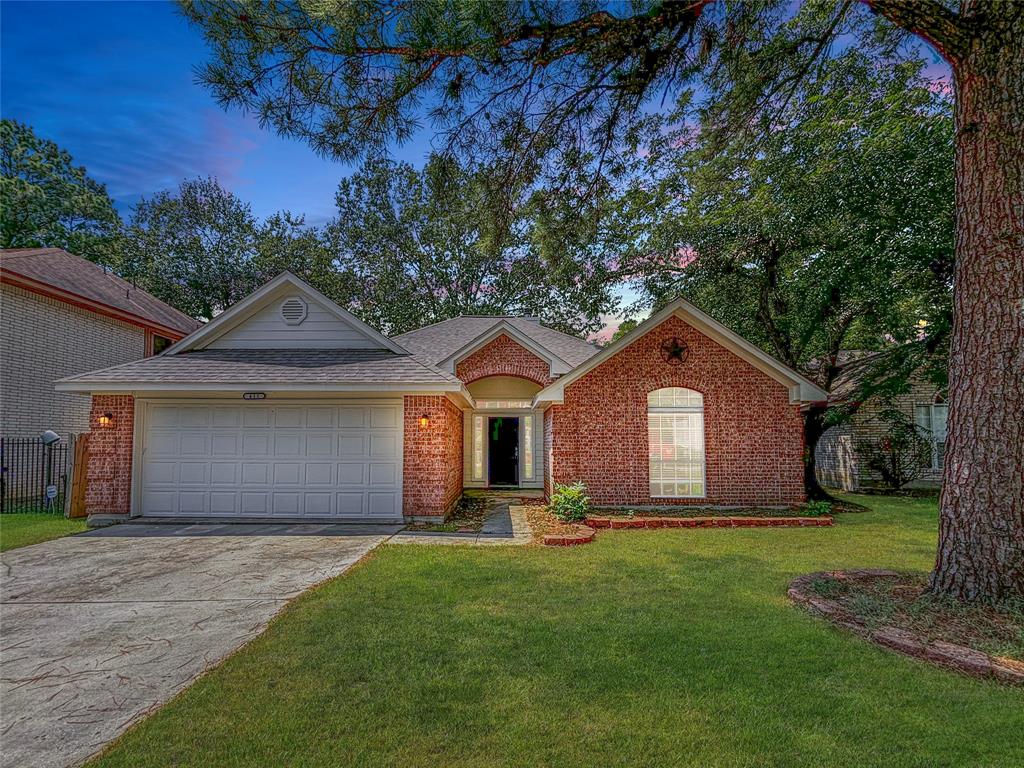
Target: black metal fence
pixel 34 475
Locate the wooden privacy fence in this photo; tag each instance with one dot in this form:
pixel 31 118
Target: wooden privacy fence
pixel 35 477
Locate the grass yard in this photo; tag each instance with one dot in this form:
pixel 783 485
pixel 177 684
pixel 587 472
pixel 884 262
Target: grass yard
pixel 23 528
pixel 652 648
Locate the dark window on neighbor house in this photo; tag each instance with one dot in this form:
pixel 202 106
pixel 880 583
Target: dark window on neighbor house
pixel 160 343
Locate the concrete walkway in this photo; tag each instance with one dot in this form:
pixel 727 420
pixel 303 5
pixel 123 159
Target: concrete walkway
pixel 504 524
pixel 101 628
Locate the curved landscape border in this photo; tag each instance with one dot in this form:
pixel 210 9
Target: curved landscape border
pixel 949 655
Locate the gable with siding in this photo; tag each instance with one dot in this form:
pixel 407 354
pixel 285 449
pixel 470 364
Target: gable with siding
pixel 267 328
pixel 286 313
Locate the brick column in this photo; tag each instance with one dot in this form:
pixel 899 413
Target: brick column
pixel 432 461
pixel 110 456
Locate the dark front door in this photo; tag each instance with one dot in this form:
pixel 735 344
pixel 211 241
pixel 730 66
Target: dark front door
pixel 503 450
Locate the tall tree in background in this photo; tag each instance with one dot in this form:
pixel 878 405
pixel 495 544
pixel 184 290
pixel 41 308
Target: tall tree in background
pixel 837 233
pixel 192 248
pixel 46 201
pixel 285 242
pixel 449 240
pixel 576 78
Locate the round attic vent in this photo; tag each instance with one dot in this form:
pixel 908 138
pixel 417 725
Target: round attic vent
pixel 293 310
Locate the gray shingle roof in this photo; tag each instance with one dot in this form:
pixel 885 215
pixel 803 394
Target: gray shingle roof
pixel 67 272
pixel 272 366
pixel 439 341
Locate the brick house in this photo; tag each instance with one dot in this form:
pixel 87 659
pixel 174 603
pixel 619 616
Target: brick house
pixel 63 315
pixel 840 455
pixel 286 406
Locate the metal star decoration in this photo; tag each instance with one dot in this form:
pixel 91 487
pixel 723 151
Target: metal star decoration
pixel 674 351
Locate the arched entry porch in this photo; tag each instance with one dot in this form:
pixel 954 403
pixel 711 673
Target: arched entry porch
pixel 503 434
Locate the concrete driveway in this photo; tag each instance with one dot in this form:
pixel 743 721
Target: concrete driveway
pixel 97 630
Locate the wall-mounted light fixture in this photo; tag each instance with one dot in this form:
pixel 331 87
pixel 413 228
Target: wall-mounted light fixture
pixel 106 421
pixel 424 421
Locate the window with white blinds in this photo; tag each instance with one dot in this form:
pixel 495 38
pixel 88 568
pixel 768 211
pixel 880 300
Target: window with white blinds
pixel 675 437
pixel 931 420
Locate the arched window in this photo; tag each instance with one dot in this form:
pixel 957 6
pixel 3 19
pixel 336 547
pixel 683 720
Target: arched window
pixel 675 438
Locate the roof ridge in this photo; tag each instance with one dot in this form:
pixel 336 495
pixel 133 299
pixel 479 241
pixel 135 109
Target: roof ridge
pixel 563 333
pixel 448 320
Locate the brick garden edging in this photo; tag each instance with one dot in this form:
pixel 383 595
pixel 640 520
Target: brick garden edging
pixel 956 657
pixel 706 522
pixel 583 535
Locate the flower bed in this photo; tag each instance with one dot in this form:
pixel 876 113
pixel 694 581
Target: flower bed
pixel 892 610
pixel 552 532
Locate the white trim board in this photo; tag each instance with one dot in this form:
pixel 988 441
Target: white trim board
pixel 801 389
pixel 128 387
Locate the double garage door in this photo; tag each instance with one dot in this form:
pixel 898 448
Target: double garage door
pixel 333 460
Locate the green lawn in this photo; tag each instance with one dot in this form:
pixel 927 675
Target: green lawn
pixel 24 528
pixel 652 648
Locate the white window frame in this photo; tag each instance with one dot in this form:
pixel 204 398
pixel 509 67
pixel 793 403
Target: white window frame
pixel 686 405
pixel 479 427
pixel 930 435
pixel 526 454
pixel 503 405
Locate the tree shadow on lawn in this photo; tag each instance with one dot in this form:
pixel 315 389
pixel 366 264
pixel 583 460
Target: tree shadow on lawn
pixel 644 648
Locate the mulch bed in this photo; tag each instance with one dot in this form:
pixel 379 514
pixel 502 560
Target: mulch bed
pixel 893 610
pixel 467 517
pixel 549 530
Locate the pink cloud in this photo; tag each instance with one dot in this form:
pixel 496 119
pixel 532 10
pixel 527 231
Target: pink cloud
pixel 611 325
pixel 227 147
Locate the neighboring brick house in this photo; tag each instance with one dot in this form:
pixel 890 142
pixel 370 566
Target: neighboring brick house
pixel 63 315
pixel 287 407
pixel 840 455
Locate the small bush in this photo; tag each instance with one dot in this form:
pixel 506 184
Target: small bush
pixel 817 508
pixel 570 502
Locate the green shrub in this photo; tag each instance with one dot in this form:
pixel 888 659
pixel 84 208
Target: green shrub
pixel 817 508
pixel 570 502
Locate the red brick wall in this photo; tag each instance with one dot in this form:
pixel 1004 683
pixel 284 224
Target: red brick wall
pixel 432 464
pixel 504 357
pixel 753 436
pixel 548 445
pixel 109 471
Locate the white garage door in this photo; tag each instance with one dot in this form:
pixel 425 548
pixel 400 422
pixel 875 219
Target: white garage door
pixel 337 460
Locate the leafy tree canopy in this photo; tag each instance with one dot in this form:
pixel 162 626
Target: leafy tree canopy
pixel 451 239
pixel 407 248
pixel 193 248
pixel 835 232
pixel 46 201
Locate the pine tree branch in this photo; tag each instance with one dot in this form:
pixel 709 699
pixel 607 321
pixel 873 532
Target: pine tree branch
pixel 929 19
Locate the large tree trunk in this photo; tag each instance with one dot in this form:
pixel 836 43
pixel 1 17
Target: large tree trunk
pixel 981 524
pixel 814 428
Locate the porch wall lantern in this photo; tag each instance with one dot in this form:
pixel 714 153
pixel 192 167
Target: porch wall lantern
pixel 106 421
pixel 425 421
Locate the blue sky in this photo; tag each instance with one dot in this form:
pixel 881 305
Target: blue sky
pixel 113 83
